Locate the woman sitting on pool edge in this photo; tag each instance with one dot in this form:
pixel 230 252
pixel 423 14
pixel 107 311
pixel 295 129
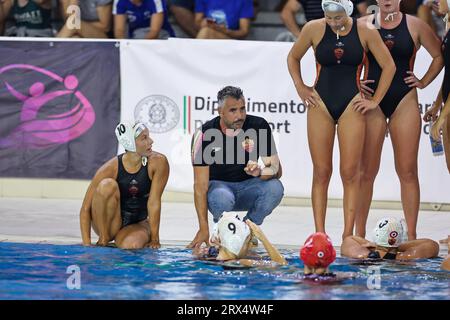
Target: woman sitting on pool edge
pixel 390 244
pixel 123 201
pixel 232 241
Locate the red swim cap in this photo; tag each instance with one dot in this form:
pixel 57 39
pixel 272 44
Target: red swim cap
pixel 318 251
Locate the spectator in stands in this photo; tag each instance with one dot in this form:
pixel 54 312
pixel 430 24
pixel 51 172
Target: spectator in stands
pixel 95 19
pixel 144 19
pixel 183 12
pixel 223 19
pixel 313 10
pixel 428 11
pixel 30 18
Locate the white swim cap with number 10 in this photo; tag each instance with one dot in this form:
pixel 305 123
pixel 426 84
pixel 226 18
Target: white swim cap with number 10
pixel 126 134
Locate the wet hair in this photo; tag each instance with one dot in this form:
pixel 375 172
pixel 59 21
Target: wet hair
pixel 229 92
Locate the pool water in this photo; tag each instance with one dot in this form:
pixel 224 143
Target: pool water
pixel 44 271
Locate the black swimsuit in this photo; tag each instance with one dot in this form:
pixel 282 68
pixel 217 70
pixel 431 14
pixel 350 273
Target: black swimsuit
pixel 134 193
pixel 403 51
pixel 339 63
pixel 375 254
pixel 446 55
pixel 390 256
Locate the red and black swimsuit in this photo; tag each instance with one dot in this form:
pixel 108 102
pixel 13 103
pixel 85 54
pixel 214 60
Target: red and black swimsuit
pixel 134 192
pixel 403 51
pixel 339 65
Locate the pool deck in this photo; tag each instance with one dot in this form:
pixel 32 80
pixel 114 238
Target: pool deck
pixel 56 221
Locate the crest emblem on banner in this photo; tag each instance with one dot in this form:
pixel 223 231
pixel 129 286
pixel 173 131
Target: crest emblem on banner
pixel 160 113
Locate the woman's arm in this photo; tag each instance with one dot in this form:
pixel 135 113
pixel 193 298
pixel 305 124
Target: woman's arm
pixel 5 7
pixel 159 181
pixel 64 5
pixel 418 249
pixel 372 40
pixel 356 247
pixel 104 18
pixel 288 13
pixel 274 254
pixel 199 20
pixel 120 22
pixel 156 24
pixel 444 115
pixel 244 29
pixel 296 54
pixel 432 44
pixel 431 114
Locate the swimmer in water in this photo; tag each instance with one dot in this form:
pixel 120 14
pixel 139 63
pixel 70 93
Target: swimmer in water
pixel 390 243
pixel 231 241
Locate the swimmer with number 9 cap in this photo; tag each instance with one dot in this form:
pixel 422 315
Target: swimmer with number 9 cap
pixel 390 243
pixel 123 201
pixel 232 241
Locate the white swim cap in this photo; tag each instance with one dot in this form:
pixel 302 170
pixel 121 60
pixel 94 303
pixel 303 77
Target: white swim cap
pixel 389 232
pixel 347 5
pixel 232 233
pixel 126 134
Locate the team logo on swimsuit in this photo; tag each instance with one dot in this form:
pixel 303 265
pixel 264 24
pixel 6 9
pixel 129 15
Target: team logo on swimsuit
pixel 339 51
pixel 389 42
pixel 133 189
pixel 248 144
pixel 159 113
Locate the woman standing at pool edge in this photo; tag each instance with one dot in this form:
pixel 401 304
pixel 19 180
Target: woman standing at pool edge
pixel 403 34
pixel 340 44
pixel 443 122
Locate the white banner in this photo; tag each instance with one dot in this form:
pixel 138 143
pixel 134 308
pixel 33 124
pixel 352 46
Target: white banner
pixel 172 85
